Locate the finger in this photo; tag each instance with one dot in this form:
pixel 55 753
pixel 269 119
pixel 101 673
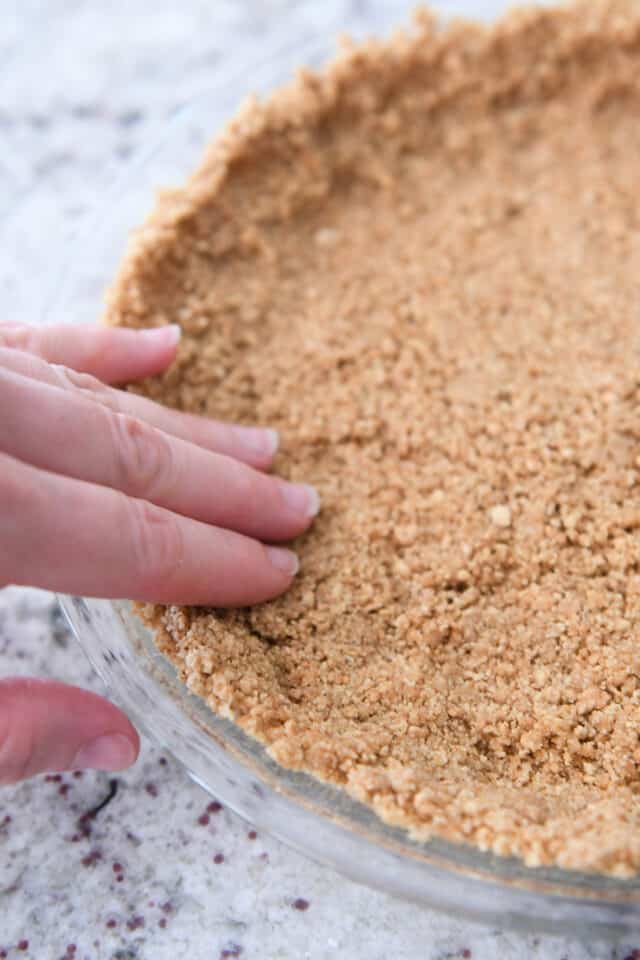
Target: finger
pixel 65 432
pixel 74 537
pixel 47 726
pixel 253 445
pixel 112 354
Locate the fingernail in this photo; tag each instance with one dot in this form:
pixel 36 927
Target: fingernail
pixel 167 336
pixel 284 560
pixel 111 752
pixel 262 441
pixel 302 498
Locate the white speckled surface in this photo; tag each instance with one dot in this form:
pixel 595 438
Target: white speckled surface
pixel 81 85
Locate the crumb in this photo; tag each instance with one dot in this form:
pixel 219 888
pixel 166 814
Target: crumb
pixel 421 266
pixel 500 516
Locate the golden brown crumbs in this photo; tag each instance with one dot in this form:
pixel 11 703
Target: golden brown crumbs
pixel 423 266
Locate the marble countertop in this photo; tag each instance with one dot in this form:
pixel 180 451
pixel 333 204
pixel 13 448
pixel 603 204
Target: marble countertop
pixel 160 871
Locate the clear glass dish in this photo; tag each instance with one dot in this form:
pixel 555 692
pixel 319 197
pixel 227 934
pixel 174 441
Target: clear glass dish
pixel 319 820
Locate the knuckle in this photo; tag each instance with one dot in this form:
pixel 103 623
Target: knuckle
pixel 144 463
pixel 72 379
pixel 159 548
pixel 17 337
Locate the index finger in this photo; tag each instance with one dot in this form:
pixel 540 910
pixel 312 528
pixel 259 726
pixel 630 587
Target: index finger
pixel 70 536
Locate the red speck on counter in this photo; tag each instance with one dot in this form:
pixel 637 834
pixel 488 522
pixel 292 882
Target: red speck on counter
pixel 91 858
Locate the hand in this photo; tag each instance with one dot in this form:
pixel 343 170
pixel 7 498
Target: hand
pixel 105 493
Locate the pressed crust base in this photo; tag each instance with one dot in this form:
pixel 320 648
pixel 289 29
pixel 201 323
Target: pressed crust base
pixel 422 266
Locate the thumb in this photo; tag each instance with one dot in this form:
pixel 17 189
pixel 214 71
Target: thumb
pixel 47 726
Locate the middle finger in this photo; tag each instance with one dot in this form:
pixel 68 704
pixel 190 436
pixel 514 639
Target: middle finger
pixel 253 445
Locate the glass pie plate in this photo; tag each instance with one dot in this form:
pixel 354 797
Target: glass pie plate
pixel 319 820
